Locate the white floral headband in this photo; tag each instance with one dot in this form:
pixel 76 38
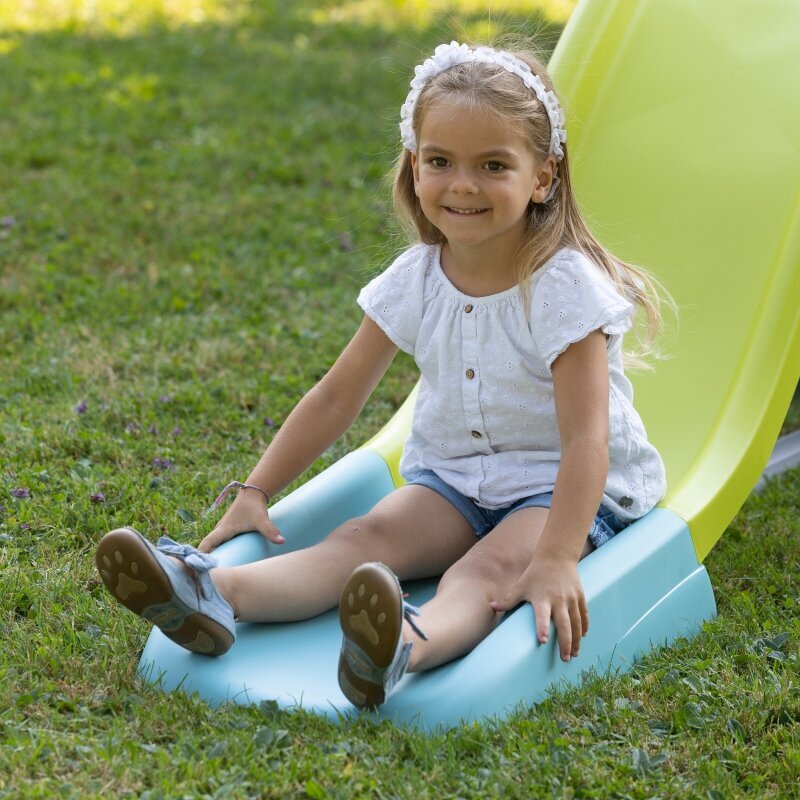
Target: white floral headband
pixel 449 55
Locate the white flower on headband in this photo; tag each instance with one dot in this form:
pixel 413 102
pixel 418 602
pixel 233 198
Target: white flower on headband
pixel 449 55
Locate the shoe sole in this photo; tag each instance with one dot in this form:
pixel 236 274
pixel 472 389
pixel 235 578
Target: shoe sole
pixel 132 575
pixel 371 616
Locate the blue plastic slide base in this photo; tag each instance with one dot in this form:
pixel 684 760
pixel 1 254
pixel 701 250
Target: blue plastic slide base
pixel 644 588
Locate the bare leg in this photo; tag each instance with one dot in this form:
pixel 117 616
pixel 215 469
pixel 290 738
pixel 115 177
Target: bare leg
pixel 459 616
pixel 414 531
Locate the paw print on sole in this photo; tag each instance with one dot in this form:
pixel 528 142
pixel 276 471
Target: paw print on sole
pixel 124 584
pixel 130 572
pixel 360 621
pixel 371 617
pixel 133 575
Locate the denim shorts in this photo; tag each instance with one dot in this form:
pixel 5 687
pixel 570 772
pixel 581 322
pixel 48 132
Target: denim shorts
pixel 606 524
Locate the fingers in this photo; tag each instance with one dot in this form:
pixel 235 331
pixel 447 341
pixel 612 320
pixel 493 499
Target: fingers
pixel 541 612
pixel 508 602
pixel 563 623
pixel 272 533
pixel 576 622
pixel 220 535
pixel 584 609
pixel 571 620
pixel 213 540
pixel 567 609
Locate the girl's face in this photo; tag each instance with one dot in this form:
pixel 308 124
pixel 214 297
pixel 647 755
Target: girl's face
pixel 475 174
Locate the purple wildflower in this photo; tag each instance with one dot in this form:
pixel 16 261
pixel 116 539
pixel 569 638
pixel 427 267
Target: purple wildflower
pixel 177 430
pixel 153 430
pixel 8 222
pixel 269 422
pixel 98 497
pixel 82 407
pixel 165 398
pixel 162 464
pixel 21 492
pixel 132 427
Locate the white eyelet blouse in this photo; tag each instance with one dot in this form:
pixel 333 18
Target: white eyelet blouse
pixel 485 418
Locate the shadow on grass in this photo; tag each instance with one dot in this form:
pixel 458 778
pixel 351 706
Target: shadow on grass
pixel 188 212
pixel 257 142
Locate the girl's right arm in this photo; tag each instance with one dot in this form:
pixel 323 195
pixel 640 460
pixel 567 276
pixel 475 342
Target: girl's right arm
pixel 317 421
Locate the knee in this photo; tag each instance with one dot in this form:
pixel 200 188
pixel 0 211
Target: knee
pixel 486 572
pixel 361 533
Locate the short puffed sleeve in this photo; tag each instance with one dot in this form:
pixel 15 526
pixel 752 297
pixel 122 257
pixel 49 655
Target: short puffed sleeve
pixel 394 300
pixel 571 298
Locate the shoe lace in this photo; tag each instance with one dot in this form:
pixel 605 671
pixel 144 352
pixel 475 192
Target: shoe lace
pixel 199 563
pixel 409 612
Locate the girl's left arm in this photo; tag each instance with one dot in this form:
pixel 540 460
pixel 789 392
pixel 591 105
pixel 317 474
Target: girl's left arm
pixel 551 583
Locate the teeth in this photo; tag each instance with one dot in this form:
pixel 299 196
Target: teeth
pixel 466 211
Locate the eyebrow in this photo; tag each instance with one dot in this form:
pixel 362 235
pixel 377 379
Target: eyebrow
pixel 499 153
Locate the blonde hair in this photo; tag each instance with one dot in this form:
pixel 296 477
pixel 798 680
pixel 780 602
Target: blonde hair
pixel 551 226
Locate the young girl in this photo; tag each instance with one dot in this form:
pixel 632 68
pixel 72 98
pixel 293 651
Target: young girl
pixel 525 452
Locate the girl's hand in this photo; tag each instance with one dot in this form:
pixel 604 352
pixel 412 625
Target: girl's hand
pixel 553 588
pixel 248 512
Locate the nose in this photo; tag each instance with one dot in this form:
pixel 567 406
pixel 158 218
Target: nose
pixel 463 182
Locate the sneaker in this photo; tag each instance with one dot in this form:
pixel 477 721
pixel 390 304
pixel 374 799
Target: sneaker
pixel 185 605
pixel 374 656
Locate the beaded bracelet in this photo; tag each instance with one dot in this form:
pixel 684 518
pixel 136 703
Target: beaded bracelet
pixel 236 485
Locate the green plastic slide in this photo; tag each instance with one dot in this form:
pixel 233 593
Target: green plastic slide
pixel 684 135
pixel 686 148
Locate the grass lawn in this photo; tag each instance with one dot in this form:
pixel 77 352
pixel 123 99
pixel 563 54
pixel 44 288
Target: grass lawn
pixel 190 198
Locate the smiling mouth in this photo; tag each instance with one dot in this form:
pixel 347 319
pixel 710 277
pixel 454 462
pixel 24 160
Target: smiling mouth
pixel 465 212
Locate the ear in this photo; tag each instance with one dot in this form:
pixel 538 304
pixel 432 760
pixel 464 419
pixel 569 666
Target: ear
pixel 415 172
pixel 543 180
